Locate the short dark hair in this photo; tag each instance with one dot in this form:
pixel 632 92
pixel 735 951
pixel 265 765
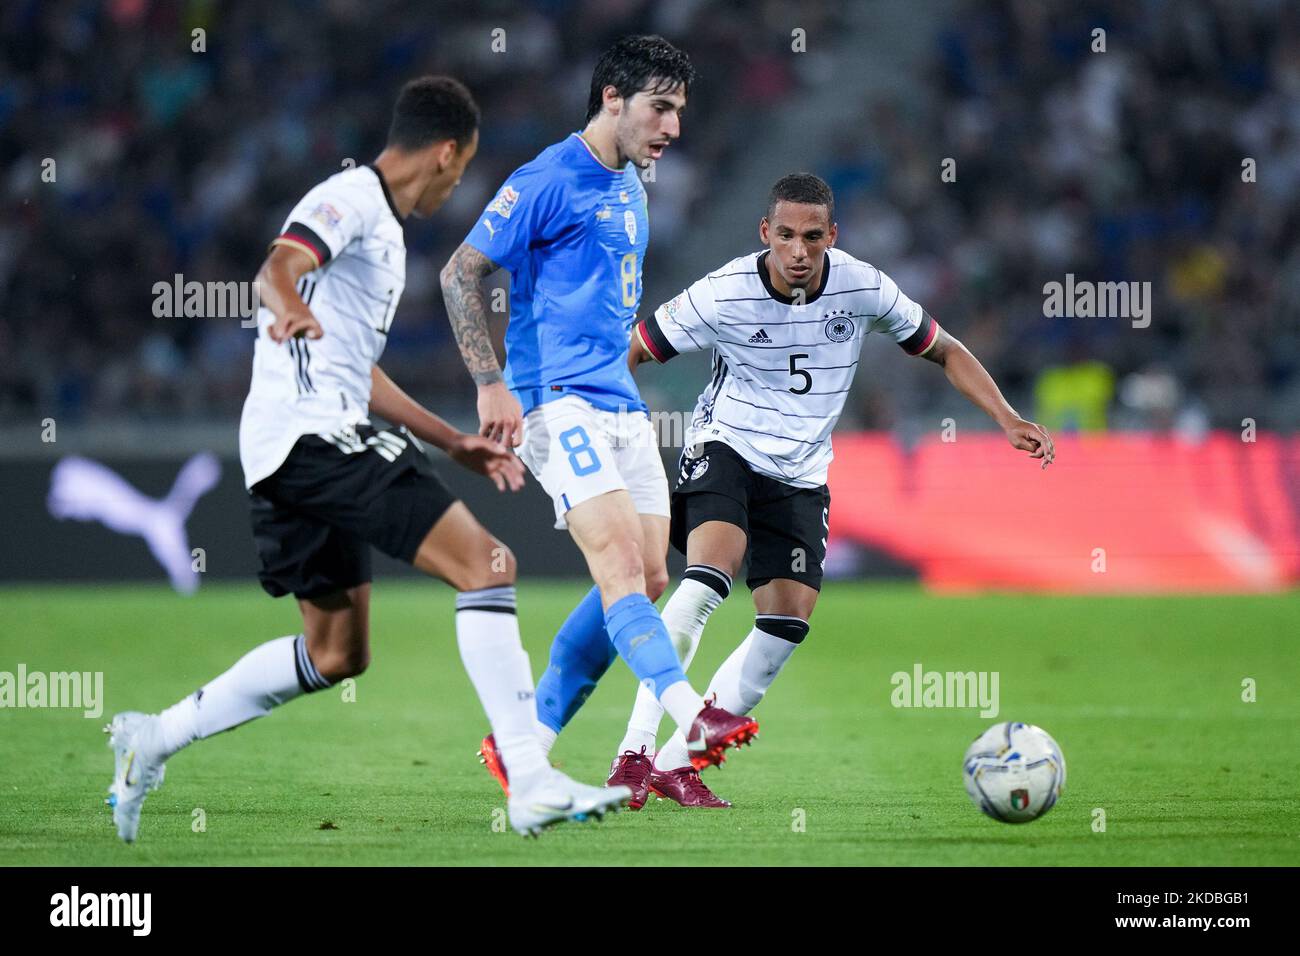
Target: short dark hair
pixel 804 188
pixel 430 109
pixel 633 63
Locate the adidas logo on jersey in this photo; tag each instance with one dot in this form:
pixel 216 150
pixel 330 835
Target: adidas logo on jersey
pixel 760 338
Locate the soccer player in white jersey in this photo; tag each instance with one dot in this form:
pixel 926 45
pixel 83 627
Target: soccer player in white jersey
pixel 786 326
pixel 325 485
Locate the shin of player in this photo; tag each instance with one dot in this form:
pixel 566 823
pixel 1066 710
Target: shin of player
pixel 572 229
pixel 793 317
pixel 713 515
pixel 703 588
pixel 325 485
pixel 783 609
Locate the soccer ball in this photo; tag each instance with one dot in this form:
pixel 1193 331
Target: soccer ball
pixel 1014 772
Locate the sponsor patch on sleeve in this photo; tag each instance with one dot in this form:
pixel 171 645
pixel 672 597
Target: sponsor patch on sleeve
pixel 504 204
pixel 326 215
pixel 672 306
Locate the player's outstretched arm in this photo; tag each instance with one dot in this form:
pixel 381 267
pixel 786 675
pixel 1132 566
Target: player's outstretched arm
pixel 277 287
pixel 970 378
pixel 476 453
pixel 499 412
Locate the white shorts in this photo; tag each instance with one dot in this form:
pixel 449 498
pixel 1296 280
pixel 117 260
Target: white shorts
pixel 578 451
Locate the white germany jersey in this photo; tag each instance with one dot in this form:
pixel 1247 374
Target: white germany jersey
pixel 350 228
pixel 782 368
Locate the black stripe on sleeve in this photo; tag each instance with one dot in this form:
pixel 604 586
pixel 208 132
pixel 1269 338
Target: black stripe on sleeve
pixel 308 237
pixel 657 341
pixel 918 340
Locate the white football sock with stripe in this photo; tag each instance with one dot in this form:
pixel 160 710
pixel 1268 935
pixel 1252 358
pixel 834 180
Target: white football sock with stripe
pixel 487 632
pixel 702 590
pixel 264 678
pixel 745 676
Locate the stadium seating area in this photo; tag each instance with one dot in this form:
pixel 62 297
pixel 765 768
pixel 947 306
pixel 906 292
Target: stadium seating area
pixel 1073 161
pixel 171 161
pixel 186 162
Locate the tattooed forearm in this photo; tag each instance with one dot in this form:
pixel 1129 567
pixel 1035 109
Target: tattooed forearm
pixel 462 289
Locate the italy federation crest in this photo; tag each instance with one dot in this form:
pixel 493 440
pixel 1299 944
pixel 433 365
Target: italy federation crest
pixel 629 225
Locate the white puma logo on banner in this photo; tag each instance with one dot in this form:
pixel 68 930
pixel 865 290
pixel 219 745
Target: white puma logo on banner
pixel 86 490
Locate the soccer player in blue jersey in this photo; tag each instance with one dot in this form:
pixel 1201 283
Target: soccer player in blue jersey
pixel 571 229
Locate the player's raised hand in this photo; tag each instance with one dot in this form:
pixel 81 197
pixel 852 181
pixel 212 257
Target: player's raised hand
pixel 490 458
pixel 1032 438
pixel 294 323
pixel 500 416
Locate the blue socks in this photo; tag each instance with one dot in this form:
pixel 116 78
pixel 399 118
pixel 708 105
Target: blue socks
pixel 587 643
pixel 580 655
pixel 637 630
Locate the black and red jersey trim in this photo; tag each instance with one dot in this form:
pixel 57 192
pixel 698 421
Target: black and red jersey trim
pixel 654 340
pixel 920 341
pixel 300 235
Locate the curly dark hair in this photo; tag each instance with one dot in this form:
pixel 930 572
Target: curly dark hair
pixel 430 109
pixel 633 64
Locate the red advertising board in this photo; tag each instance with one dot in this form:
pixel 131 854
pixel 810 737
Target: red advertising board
pixel 1122 512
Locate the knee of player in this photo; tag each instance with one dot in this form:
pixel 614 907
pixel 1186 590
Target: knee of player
pixel 656 582
pixel 502 566
pixel 337 665
pixel 621 562
pixel 357 660
pixel 492 567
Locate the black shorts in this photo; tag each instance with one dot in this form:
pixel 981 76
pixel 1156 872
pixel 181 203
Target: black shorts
pixel 316 517
pixel 786 526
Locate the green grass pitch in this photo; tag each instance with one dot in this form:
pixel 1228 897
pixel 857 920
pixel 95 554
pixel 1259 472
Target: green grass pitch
pixel 1144 695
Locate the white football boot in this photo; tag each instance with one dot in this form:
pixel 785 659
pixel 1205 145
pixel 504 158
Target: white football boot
pixel 136 741
pixel 557 798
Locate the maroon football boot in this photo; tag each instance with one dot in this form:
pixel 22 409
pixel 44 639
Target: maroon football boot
pixel 632 770
pixel 684 786
pixel 713 731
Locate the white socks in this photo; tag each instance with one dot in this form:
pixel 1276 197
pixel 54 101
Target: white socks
pixel 265 677
pixel 682 703
pixel 745 676
pixel 487 632
pixel 546 736
pixel 702 590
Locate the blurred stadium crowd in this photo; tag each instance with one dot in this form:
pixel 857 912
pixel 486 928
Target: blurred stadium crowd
pixel 1125 165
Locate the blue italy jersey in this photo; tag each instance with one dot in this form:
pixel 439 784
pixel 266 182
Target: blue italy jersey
pixel 572 232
